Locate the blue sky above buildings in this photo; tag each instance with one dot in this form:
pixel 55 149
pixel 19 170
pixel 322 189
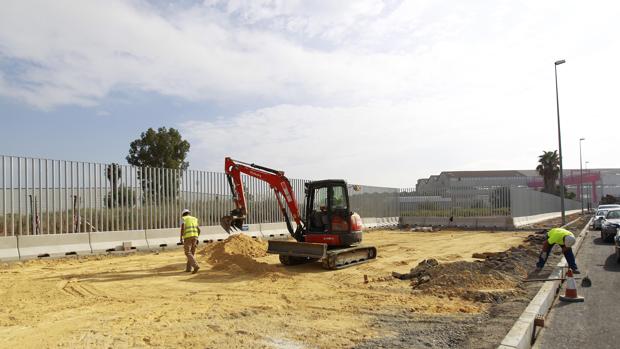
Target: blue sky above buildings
pixel 317 88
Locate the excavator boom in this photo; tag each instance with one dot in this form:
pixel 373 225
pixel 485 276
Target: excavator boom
pixel 276 180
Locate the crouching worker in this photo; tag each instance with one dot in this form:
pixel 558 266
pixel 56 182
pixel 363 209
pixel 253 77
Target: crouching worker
pixel 565 239
pixel 189 238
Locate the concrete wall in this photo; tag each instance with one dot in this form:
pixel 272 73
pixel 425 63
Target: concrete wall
pixel 470 222
pixel 526 220
pixel 55 245
pixel 8 248
pixel 528 202
pixel 58 245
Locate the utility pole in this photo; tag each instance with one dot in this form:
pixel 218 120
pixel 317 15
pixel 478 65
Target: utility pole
pixel 557 101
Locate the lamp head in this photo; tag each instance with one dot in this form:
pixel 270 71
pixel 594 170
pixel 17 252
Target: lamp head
pixel 561 61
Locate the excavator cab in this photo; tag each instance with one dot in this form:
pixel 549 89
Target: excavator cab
pixel 328 217
pixel 327 206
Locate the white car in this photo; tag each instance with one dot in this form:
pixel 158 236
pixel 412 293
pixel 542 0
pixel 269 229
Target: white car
pixel 609 225
pixel 617 241
pixel 598 219
pixel 602 207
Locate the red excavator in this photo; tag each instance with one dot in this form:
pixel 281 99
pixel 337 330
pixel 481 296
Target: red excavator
pixel 329 232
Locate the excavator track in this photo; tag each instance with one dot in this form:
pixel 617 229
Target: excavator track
pixel 348 257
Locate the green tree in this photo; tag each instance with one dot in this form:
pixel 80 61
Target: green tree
pixel 567 194
pixel 549 168
pixel 113 172
pixel 164 148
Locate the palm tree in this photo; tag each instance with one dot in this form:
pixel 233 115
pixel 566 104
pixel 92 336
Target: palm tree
pixel 549 169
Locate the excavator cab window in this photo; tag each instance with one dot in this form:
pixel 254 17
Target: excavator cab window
pixel 330 209
pixel 338 198
pixel 339 209
pixel 319 220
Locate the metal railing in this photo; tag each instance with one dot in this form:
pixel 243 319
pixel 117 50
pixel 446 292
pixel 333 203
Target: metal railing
pixel 479 201
pixel 456 201
pixel 43 196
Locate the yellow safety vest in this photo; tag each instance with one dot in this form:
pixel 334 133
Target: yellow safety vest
pixel 190 226
pixel 556 236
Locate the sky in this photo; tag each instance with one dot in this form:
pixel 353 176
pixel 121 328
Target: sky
pixel 376 92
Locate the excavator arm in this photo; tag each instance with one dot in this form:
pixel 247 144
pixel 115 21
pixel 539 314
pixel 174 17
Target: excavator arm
pixel 276 180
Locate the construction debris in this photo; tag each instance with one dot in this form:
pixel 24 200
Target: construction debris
pixel 489 280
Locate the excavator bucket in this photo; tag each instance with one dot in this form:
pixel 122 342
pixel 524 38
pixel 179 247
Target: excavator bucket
pixel 230 223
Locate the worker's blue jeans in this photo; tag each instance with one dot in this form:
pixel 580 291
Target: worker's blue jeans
pixel 567 251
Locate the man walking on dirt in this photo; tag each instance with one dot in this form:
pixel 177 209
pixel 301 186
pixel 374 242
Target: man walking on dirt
pixel 189 238
pixel 565 239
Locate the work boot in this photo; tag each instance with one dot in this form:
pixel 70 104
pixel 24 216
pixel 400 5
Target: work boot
pixel 188 268
pixel 195 270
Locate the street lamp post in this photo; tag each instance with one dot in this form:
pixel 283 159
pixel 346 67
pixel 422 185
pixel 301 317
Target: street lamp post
pixel 557 102
pixel 581 175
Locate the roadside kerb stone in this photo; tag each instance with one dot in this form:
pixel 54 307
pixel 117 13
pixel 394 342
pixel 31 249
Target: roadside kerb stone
pixel 520 335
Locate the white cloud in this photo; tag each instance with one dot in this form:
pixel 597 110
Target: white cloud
pixel 414 86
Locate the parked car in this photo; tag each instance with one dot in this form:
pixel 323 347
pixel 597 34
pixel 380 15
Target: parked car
pixel 610 225
pixel 598 218
pixel 607 206
pixel 617 239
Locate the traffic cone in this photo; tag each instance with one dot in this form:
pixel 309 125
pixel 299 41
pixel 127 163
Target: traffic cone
pixel 570 294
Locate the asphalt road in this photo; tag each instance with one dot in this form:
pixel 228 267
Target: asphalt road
pixel 595 322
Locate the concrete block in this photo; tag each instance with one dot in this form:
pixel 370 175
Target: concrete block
pixel 526 220
pixel 395 221
pixel 8 248
pixel 381 222
pixel 212 233
pixel 495 222
pixel 471 222
pixel 113 240
pixel 541 303
pixel 369 222
pixel 163 237
pixel 53 245
pixel 520 335
pixel 274 230
pixel 435 221
pixel 413 220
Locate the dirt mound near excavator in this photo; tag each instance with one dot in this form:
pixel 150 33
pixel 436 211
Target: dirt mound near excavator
pixel 237 253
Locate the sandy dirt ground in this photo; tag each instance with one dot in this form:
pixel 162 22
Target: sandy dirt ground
pixel 146 300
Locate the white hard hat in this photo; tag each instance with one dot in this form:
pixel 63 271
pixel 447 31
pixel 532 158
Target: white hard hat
pixel 569 240
pixel 184 211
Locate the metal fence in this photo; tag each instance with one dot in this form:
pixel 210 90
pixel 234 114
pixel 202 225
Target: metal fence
pixel 479 201
pixel 456 201
pixel 43 196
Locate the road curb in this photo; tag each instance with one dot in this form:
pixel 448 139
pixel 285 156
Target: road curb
pixel 522 332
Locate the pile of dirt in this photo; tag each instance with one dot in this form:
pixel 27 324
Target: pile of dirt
pixel 491 280
pixel 237 253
